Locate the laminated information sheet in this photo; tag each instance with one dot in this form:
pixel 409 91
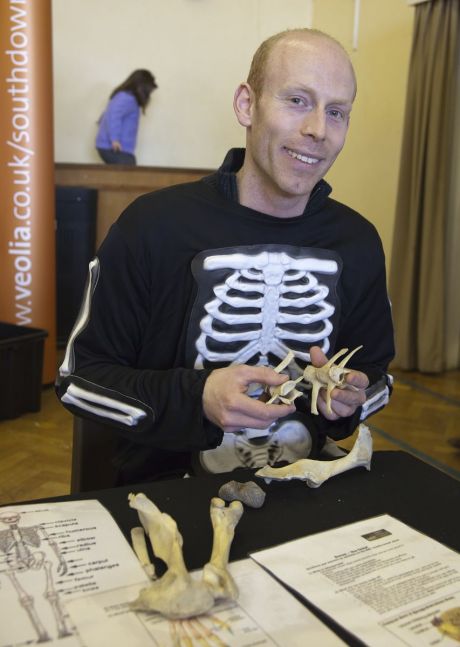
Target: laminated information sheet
pixel 67 576
pixel 51 553
pixel 380 579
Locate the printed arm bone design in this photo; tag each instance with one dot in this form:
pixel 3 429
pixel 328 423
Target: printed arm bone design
pixel 330 376
pixel 314 473
pixel 177 594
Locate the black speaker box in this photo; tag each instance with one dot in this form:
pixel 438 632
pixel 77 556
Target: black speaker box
pixel 76 213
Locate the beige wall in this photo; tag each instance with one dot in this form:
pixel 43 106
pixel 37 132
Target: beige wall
pixel 366 173
pixel 200 50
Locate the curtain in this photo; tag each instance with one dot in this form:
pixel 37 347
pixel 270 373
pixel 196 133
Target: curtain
pixel 452 319
pixel 418 268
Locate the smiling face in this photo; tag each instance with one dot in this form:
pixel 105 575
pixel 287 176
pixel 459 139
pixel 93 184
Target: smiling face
pixel 298 124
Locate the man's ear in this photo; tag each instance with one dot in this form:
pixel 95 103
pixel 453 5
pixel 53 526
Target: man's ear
pixel 243 102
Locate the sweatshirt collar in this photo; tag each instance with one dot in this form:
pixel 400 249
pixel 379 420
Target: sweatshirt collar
pixel 228 186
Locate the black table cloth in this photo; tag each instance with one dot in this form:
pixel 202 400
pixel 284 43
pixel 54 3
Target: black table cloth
pixel 398 484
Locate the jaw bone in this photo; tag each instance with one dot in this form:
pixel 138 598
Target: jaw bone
pixel 177 594
pixel 314 473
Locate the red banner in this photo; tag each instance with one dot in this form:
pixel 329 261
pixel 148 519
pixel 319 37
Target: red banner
pixel 27 220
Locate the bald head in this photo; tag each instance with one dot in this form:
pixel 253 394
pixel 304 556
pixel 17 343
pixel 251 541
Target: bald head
pixel 268 49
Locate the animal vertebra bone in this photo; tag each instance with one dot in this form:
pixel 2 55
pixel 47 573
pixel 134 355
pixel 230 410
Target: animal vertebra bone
pixel 286 392
pixel 177 594
pixel 314 473
pixel 331 376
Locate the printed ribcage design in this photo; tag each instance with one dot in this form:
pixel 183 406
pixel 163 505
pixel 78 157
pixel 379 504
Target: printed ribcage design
pixel 270 303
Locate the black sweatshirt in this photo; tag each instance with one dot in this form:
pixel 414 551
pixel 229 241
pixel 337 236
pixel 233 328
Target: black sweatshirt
pixel 188 280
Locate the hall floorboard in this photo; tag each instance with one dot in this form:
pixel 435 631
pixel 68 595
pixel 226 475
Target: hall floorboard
pixel 423 415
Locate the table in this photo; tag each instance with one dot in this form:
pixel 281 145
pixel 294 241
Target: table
pixel 398 484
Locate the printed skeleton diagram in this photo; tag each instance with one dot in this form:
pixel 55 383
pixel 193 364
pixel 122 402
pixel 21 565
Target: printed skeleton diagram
pixel 200 629
pixel 18 545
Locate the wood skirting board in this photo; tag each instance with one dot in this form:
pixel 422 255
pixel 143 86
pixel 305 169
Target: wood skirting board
pixel 118 186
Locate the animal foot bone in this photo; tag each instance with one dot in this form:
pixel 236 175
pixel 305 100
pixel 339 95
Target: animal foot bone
pixel 314 473
pixel 177 594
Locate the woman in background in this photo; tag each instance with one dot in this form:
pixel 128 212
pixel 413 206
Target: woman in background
pixel 119 123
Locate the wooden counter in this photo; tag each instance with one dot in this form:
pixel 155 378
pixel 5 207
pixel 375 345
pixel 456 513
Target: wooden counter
pixel 119 185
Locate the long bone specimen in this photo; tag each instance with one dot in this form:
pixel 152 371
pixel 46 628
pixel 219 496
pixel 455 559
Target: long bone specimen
pixel 140 548
pixel 314 473
pixel 177 594
pixel 330 376
pixel 215 573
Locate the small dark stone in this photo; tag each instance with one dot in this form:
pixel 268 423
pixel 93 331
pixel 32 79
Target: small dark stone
pixel 248 493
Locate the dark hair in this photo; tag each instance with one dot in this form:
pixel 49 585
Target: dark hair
pixel 141 83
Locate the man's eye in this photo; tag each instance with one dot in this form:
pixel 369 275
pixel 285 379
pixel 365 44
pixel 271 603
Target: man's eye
pixel 296 101
pixel 337 115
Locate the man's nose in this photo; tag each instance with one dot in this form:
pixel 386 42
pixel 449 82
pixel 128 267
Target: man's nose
pixel 314 124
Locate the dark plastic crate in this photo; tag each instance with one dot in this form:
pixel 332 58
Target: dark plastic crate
pixel 21 366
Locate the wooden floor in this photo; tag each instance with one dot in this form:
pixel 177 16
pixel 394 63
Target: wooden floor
pixel 424 413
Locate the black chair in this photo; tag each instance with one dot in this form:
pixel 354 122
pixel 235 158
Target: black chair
pixel 93 448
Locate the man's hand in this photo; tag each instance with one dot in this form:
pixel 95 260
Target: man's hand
pixel 116 146
pixel 226 403
pixel 344 402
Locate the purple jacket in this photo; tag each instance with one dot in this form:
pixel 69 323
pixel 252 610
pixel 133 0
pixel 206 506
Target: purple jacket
pixel 119 122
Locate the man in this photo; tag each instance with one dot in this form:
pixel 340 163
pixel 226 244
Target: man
pixel 201 289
